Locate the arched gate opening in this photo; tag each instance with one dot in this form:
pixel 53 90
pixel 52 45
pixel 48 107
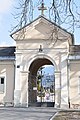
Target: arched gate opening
pixel 41 86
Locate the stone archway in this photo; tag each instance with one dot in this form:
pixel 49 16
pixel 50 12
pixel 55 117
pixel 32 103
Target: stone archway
pixel 35 65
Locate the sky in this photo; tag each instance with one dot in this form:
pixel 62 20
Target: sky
pixel 48 69
pixel 6 9
pixel 7 21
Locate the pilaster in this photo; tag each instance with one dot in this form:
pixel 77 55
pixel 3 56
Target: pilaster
pixel 57 88
pixel 21 95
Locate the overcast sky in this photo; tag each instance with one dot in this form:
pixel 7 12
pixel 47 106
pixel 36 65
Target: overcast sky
pixel 7 20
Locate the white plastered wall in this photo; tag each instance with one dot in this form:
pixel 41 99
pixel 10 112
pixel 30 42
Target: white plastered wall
pixel 7 71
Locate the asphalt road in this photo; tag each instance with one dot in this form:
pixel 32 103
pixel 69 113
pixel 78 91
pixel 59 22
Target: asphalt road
pixel 11 113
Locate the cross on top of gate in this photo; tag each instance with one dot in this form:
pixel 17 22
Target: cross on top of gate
pixel 42 8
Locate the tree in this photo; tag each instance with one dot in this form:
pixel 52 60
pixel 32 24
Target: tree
pixel 63 12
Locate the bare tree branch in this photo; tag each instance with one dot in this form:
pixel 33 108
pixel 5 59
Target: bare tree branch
pixel 62 12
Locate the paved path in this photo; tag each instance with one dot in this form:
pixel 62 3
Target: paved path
pixel 27 113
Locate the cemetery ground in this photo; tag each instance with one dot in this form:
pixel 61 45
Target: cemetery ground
pixel 38 113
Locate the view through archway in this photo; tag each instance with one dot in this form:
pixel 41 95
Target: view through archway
pixel 45 84
pixel 41 83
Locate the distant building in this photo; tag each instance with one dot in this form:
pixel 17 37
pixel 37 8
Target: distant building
pixel 48 80
pixel 37 46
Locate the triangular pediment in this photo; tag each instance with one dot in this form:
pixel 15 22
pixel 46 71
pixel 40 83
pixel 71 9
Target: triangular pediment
pixel 41 28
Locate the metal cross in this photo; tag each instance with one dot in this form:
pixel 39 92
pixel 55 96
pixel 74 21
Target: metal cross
pixel 42 8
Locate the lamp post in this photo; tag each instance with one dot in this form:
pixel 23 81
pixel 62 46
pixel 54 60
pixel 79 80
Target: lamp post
pixel 41 81
pixel 41 84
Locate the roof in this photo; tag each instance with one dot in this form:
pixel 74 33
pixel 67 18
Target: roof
pixel 7 51
pixel 74 49
pixel 48 21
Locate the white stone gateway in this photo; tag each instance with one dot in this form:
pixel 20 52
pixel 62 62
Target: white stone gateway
pixel 41 42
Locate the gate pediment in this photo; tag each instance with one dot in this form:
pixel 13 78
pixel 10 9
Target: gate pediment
pixel 42 28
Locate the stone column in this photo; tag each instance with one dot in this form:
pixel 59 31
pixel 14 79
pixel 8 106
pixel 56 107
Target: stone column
pixel 57 88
